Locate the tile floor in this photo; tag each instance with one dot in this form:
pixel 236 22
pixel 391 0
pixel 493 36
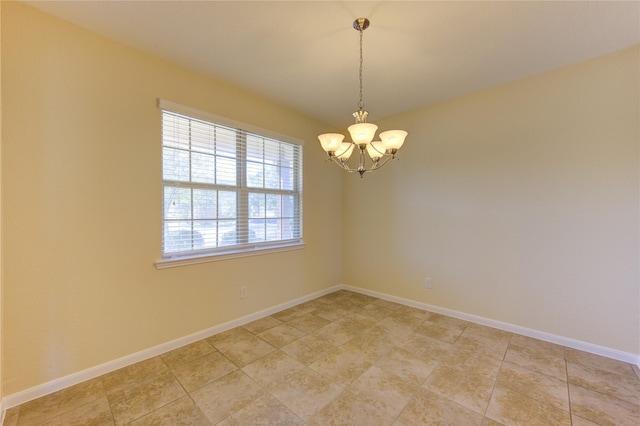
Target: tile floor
pixel 346 358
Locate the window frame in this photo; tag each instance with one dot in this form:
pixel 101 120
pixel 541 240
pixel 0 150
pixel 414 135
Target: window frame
pixel 242 190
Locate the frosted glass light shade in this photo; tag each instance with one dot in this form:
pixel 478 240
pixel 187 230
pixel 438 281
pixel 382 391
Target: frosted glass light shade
pixel 345 151
pixel 331 141
pixel 393 139
pixel 376 150
pixel 362 133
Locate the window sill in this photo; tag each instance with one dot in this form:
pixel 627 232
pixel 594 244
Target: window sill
pixel 172 262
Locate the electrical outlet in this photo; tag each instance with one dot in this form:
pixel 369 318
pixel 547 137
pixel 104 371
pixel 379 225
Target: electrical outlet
pixel 243 292
pixel 427 282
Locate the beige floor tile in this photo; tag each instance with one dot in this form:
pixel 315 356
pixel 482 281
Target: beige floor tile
pixel 491 341
pixel 368 346
pixel 197 373
pixel 11 416
pixel 428 408
pixel 69 399
pixel 333 297
pixel 132 402
pixel 95 413
pixel 306 393
pixel 281 335
pixel 602 409
pixel 423 346
pixel 330 312
pixel 617 385
pixel 342 365
pixel 187 353
pixel 134 374
pixel 596 361
pixel 447 320
pixel 258 326
pixel 309 348
pixel 263 411
pixel 362 298
pixel 373 311
pixel 220 399
pixel 182 412
pixel 407 366
pixel 308 322
pixel 311 305
pixel 418 313
pixel 473 329
pixel 490 422
pixel 346 409
pixel 348 304
pixel 383 390
pixel 229 337
pixel 511 408
pixel 337 333
pixel 392 306
pixel 538 347
pixel 537 360
pixel 480 345
pixel 289 314
pixel 443 332
pixel 273 369
pixel 579 421
pixel 356 322
pixel 246 351
pixel 471 391
pixel 538 386
pixel 390 329
pixel 473 363
pixel 408 317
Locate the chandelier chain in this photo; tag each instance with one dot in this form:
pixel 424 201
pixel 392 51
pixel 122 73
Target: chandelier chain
pixel 361 103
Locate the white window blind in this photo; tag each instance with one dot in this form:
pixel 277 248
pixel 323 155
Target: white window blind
pixel 226 189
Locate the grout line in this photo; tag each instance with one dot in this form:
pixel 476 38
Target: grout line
pixel 566 366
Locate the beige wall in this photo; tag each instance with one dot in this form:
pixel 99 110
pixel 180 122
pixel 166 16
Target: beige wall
pixel 81 171
pixel 521 202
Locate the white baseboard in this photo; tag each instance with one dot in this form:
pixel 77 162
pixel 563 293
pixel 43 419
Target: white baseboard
pixel 547 337
pixel 93 372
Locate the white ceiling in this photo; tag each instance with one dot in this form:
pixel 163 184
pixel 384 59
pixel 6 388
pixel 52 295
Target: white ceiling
pixel 304 54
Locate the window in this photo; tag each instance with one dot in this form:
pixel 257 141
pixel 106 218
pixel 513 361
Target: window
pixel 226 191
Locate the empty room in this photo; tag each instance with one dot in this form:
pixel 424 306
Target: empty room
pixel 320 213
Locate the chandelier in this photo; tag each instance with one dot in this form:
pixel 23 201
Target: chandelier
pixel 379 152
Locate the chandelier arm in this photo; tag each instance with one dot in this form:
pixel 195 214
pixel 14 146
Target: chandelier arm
pixel 362 164
pixel 343 165
pixel 381 162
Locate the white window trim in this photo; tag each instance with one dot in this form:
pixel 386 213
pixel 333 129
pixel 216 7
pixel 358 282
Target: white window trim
pixel 230 254
pixel 236 252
